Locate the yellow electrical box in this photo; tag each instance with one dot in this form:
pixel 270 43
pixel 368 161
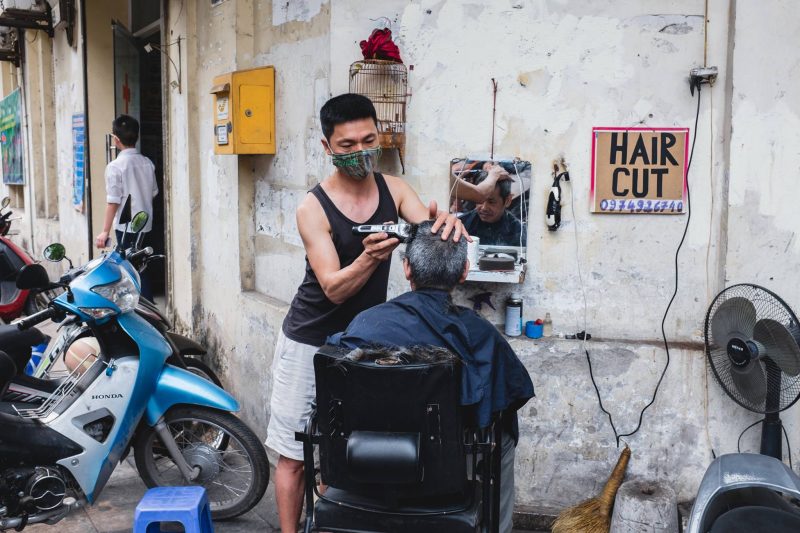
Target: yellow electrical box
pixel 244 112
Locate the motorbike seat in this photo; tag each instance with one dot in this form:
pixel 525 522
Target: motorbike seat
pixel 28 389
pixel 8 369
pixel 757 519
pixel 17 343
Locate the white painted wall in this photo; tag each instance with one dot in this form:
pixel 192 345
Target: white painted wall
pixel 562 68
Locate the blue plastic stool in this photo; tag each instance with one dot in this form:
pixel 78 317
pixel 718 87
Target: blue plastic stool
pixel 187 505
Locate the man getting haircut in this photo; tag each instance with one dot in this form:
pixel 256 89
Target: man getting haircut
pixel 494 380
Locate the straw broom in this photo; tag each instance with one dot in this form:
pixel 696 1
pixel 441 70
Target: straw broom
pixel 594 515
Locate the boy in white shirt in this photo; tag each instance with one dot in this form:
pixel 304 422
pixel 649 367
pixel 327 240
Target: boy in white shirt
pixel 130 174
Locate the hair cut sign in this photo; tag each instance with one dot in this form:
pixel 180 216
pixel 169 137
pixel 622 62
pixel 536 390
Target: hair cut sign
pixel 639 170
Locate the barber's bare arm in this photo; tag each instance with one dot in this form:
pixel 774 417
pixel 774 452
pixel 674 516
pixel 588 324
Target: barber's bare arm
pixel 413 210
pixel 338 283
pixel 464 190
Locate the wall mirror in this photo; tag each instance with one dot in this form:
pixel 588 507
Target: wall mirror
pixel 492 196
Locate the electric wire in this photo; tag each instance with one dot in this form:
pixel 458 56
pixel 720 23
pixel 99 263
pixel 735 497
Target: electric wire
pixel 617 435
pixel 523 211
pixel 788 446
pixel 761 421
pixel 586 312
pixel 739 440
pixel 454 188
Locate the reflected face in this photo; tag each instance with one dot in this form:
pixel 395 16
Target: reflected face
pixel 352 136
pixel 493 208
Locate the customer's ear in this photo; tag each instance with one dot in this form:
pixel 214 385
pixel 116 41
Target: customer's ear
pixel 465 273
pixel 407 269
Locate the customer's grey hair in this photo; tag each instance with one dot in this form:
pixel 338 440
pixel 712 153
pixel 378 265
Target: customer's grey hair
pixel 435 263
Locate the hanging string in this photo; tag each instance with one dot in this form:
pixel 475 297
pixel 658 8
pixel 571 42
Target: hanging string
pixel 494 111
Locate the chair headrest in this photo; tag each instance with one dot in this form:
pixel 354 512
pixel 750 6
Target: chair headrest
pixel 384 457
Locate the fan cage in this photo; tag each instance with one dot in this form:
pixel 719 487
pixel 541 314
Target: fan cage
pixel 767 305
pixel 385 83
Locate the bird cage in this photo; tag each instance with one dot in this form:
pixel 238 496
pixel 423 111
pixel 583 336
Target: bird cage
pixel 386 84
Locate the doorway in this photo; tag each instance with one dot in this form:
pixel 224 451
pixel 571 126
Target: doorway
pixel 138 92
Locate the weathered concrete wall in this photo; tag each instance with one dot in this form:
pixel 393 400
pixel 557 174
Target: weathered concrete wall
pixel 231 297
pixel 562 68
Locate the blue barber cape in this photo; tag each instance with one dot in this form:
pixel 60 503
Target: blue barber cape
pixel 493 377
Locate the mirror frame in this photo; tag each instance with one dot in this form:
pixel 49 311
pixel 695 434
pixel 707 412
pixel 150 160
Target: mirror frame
pixel 139 221
pixel 48 256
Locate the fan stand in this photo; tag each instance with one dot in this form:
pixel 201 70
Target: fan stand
pixel 772 427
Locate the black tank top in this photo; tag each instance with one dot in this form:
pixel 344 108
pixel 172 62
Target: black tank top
pixel 312 316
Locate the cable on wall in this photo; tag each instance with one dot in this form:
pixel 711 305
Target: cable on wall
pixel 618 435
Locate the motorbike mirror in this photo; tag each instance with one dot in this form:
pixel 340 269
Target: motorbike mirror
pixel 139 221
pixel 4 203
pixel 55 252
pixel 32 276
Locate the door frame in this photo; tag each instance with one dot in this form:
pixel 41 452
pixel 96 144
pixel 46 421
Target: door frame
pixel 166 189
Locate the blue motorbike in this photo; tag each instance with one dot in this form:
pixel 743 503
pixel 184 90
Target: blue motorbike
pixel 57 454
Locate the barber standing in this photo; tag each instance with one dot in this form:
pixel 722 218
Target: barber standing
pixel 345 274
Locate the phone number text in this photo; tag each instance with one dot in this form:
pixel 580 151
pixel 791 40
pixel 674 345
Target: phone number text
pixel 641 206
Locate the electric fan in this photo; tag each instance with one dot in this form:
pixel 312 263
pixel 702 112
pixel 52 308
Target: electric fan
pixel 752 341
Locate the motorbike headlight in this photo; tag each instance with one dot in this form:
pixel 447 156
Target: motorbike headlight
pixel 122 293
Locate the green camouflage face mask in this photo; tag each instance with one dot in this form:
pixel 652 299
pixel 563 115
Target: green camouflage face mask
pixel 359 164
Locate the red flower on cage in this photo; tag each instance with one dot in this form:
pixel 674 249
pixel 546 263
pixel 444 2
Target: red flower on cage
pixel 381 46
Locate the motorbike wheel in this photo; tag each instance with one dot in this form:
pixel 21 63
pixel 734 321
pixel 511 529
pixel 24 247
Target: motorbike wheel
pixel 195 366
pixel 235 479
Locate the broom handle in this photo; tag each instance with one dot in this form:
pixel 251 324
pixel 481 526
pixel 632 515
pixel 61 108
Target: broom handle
pixel 609 491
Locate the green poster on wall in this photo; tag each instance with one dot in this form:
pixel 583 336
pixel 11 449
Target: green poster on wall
pixel 11 139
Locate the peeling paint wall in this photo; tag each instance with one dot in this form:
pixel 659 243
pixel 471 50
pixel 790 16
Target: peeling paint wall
pixel 562 68
pixel 233 216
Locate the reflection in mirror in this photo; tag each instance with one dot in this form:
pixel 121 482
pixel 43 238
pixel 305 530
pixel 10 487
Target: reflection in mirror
pixel 139 221
pixel 5 202
pixel 54 252
pixel 492 198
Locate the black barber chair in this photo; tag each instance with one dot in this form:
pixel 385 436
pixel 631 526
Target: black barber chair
pixel 394 450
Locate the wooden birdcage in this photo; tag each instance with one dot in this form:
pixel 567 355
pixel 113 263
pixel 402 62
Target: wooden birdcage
pixel 386 84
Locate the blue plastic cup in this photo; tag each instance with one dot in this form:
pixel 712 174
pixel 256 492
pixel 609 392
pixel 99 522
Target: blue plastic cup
pixel 533 330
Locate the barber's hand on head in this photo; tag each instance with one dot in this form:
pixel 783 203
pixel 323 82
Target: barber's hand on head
pixel 452 224
pixel 495 175
pixel 379 246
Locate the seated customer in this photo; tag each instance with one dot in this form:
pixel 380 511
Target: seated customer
pixel 492 222
pixel 494 380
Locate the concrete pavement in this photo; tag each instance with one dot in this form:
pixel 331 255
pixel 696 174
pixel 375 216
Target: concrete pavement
pixel 113 512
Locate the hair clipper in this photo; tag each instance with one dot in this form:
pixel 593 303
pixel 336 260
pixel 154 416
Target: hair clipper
pixel 554 199
pixel 402 232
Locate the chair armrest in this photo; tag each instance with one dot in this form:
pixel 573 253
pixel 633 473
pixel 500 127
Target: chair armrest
pixel 309 433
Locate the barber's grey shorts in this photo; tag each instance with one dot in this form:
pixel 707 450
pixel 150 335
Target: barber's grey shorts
pixel 293 391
